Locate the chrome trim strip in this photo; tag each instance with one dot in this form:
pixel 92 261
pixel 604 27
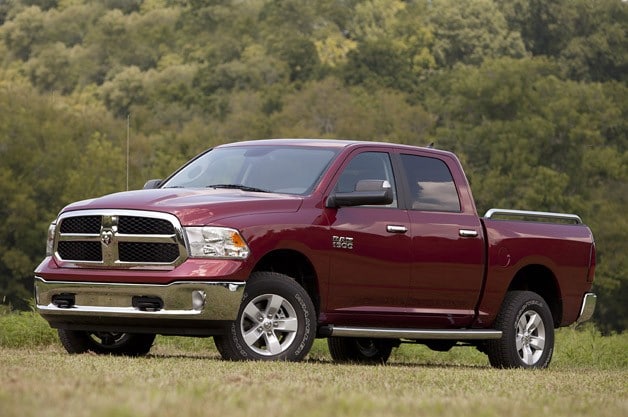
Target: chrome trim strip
pixel 589 300
pixel 388 333
pixel 116 311
pixel 98 299
pixel 536 214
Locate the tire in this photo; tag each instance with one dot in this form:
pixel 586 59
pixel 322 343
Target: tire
pixel 527 333
pixel 276 321
pixel 359 350
pixel 106 343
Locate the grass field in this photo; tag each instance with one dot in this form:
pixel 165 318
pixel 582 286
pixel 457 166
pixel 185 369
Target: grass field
pixel 185 377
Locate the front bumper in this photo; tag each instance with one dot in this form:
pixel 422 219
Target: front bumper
pixel 98 305
pixel 588 307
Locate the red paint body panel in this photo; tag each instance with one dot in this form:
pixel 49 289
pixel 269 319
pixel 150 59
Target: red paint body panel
pixel 563 249
pixel 190 270
pixel 428 277
pixel 194 207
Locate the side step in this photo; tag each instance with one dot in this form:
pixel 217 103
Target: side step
pixel 388 333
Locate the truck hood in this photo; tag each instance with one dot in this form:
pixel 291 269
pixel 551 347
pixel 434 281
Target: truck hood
pixel 194 206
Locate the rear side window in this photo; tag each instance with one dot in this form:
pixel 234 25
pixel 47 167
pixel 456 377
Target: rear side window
pixel 431 185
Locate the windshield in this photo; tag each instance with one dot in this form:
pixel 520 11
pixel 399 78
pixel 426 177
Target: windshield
pixel 277 169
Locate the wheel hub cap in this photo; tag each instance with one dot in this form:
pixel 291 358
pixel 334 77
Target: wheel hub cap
pixel 269 324
pixel 530 341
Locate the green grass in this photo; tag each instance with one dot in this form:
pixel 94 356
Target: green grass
pixel 185 377
pixel 25 330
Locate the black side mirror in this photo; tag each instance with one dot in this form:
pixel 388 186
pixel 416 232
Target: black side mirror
pixel 367 192
pixel 150 184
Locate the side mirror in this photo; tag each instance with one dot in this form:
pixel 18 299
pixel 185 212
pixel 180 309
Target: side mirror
pixel 150 184
pixel 367 192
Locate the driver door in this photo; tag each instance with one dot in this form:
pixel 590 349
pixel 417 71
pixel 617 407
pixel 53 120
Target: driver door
pixel 370 255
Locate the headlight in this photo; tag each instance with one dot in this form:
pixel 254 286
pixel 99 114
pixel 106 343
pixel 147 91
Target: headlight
pixel 216 242
pixel 51 239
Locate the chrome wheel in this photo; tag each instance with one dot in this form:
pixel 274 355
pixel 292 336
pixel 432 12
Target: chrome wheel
pixel 366 347
pixel 109 340
pixel 106 343
pixel 360 350
pixel 269 324
pixel 530 339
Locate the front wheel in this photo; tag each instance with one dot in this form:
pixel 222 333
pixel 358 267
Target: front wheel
pixel 276 321
pixel 126 344
pixel 527 333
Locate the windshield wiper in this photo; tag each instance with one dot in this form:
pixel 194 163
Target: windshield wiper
pixel 239 187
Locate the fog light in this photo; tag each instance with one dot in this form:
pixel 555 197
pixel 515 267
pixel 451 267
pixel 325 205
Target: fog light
pixel 198 299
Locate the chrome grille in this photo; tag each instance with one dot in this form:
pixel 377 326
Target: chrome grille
pixel 119 239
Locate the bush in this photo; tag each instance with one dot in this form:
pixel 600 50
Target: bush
pixel 25 330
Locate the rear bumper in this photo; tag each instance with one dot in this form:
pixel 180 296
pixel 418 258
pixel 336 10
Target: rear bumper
pixel 588 307
pixel 184 304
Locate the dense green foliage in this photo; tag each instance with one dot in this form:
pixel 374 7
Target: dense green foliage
pixel 532 95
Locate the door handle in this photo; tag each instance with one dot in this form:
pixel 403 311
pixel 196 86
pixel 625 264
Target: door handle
pixel 468 233
pixel 393 228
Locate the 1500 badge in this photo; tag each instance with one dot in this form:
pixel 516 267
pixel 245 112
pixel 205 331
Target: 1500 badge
pixel 342 242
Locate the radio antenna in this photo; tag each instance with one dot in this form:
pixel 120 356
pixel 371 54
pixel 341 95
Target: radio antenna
pixel 128 134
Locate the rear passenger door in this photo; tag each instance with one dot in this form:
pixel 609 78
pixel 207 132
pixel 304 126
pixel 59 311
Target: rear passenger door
pixel 447 244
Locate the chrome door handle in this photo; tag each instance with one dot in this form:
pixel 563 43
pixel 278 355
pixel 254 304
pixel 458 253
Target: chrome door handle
pixel 468 233
pixel 392 228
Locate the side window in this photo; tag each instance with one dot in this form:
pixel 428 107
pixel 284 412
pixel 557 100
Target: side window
pixel 367 166
pixel 431 185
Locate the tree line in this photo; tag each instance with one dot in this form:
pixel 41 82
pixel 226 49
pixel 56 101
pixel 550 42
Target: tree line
pixel 531 95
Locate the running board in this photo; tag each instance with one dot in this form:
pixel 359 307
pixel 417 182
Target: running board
pixel 386 333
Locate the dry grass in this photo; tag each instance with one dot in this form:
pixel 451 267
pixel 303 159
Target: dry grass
pixel 48 382
pixel 185 377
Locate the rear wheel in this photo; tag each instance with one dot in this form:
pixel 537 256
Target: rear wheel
pixel 527 333
pixel 276 321
pixel 359 350
pixel 127 344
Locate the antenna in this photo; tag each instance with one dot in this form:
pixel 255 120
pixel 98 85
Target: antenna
pixel 128 134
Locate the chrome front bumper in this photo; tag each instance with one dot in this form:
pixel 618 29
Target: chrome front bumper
pixel 188 300
pixel 588 307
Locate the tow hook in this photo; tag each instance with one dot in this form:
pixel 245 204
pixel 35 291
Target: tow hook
pixel 64 300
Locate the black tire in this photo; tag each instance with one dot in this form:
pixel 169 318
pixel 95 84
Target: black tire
pixel 106 343
pixel 276 321
pixel 359 350
pixel 527 333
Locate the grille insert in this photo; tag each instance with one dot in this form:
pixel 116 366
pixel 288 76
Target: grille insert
pixel 80 251
pixel 144 226
pixel 81 224
pixel 148 252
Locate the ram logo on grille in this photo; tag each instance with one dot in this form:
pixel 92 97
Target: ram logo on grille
pixel 119 239
pixel 105 237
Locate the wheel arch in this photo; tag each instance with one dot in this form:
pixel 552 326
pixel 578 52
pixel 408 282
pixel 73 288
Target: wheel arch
pixel 542 281
pixel 295 265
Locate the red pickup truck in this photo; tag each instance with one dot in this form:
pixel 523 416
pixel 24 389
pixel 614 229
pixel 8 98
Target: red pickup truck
pixel 266 245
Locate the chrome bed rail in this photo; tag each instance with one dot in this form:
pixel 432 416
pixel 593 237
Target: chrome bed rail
pixel 523 214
